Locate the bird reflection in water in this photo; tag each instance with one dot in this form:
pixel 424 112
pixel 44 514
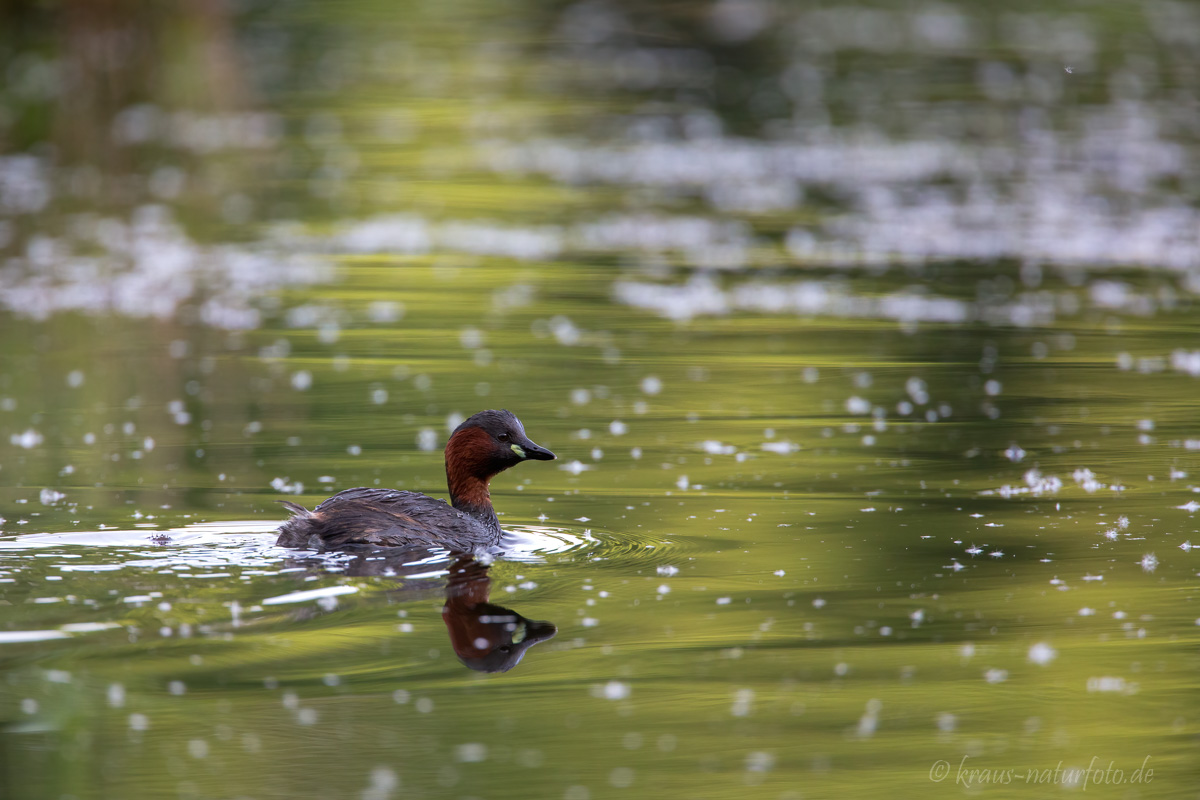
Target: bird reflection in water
pixel 485 637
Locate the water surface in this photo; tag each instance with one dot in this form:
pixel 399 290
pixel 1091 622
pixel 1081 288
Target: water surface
pixel 865 336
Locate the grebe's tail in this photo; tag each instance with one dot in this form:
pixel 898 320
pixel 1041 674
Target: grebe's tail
pixel 299 531
pixel 295 508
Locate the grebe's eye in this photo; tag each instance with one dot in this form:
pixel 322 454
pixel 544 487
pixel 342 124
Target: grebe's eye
pixel 503 437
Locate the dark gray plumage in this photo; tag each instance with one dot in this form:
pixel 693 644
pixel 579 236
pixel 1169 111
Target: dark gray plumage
pixel 383 518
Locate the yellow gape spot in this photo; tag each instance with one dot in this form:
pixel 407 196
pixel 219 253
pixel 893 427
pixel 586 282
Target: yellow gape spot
pixel 516 448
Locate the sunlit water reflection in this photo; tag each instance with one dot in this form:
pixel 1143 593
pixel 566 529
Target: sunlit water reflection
pixel 866 337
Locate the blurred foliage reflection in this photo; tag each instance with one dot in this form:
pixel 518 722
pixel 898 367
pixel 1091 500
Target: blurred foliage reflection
pixel 865 334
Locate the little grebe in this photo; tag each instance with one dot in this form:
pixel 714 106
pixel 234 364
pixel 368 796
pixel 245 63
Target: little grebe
pixel 486 444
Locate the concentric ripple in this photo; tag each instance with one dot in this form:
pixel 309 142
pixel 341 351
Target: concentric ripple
pixel 540 542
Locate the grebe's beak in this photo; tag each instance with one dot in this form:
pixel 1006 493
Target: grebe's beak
pixel 529 450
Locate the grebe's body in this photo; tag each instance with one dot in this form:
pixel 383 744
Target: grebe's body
pixel 385 518
pixel 486 444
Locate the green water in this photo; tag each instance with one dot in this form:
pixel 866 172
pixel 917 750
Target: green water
pixel 866 338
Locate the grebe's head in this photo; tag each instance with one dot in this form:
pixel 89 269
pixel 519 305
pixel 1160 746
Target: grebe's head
pixel 492 441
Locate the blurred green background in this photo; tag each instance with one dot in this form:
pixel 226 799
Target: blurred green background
pixel 865 335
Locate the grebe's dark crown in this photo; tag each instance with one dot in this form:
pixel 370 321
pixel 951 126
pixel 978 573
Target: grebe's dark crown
pixel 508 434
pixel 494 421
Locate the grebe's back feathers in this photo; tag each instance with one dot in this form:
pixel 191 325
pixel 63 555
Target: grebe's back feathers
pixel 383 518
